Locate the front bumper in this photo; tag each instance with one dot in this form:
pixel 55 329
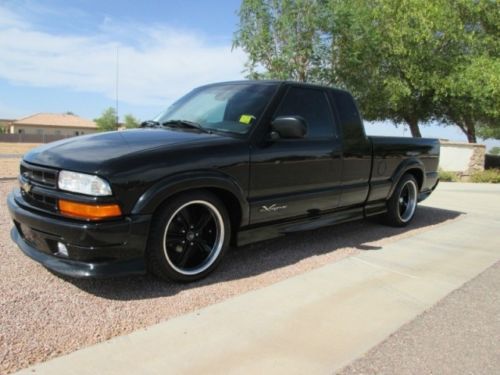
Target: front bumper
pixel 95 249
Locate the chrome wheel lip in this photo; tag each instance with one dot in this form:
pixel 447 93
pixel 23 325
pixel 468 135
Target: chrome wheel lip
pixel 411 203
pixel 216 248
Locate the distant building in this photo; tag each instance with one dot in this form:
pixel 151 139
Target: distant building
pixel 4 125
pixel 64 125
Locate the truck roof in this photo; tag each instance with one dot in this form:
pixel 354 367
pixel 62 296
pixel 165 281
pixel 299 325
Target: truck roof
pixel 280 82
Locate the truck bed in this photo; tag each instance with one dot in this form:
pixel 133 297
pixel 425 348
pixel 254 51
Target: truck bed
pixel 393 153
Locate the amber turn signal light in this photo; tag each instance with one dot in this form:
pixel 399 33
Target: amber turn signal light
pixel 89 211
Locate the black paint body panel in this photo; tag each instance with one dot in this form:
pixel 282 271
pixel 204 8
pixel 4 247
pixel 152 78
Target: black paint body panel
pixel 270 186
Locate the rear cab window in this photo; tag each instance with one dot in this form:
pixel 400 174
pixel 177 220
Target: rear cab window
pixel 348 116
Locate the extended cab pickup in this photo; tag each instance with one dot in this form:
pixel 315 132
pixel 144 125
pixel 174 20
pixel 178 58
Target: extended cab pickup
pixel 228 163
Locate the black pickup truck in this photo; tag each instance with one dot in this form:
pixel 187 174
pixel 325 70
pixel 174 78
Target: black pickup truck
pixel 232 162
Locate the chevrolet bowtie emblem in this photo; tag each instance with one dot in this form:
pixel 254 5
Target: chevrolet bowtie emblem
pixel 26 187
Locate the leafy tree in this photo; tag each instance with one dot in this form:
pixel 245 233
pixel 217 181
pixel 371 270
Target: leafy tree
pixel 487 131
pixel 409 61
pixel 383 50
pixel 130 122
pixel 412 61
pixel 494 151
pixel 470 96
pixel 394 54
pixel 282 38
pixel 108 120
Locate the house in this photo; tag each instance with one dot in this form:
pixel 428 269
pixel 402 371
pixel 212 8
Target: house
pixel 64 125
pixel 4 125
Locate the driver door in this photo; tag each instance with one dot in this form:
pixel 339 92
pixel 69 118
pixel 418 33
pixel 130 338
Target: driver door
pixel 298 177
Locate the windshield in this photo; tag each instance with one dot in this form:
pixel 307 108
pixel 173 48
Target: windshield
pixel 231 107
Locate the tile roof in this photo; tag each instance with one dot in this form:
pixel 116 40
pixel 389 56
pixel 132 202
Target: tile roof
pixel 56 119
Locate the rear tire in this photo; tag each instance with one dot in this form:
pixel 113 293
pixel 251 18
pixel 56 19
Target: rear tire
pixel 189 236
pixel 402 204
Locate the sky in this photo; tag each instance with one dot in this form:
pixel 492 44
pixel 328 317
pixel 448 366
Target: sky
pixel 58 56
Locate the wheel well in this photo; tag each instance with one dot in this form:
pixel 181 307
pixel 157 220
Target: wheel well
pixel 232 204
pixel 228 199
pixel 419 176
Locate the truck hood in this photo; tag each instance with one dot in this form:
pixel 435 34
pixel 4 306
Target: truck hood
pixel 91 153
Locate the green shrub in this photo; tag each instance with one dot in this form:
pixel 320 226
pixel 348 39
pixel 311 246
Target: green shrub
pixel 448 176
pixel 488 175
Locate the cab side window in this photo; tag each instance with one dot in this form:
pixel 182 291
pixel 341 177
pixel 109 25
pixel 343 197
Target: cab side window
pixel 313 106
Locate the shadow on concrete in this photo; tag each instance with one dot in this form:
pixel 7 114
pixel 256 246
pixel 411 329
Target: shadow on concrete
pixel 265 256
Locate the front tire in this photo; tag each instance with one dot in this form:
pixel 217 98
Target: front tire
pixel 402 204
pixel 189 236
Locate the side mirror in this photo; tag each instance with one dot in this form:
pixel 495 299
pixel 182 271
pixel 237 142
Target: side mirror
pixel 289 127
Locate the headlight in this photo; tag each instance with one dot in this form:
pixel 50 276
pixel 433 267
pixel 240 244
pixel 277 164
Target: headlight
pixel 83 183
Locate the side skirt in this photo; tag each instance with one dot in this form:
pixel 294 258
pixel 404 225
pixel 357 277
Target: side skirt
pixel 265 232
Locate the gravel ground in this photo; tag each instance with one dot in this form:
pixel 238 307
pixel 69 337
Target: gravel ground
pixel 10 156
pixel 16 147
pixel 459 335
pixel 9 167
pixel 43 315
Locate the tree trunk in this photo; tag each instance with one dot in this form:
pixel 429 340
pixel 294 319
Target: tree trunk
pixel 468 127
pixel 471 131
pixel 415 130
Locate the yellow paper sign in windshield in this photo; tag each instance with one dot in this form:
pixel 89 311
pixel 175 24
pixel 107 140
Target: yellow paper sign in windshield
pixel 246 119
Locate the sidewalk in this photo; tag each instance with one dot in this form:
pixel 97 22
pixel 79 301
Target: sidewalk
pixel 319 321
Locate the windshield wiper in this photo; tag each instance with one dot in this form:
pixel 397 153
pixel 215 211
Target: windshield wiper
pixel 150 124
pixel 185 124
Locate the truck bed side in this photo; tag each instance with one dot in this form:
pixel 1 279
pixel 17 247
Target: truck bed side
pixel 395 156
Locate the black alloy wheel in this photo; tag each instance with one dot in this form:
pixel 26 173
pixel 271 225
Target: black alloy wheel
pixel 402 204
pixel 190 237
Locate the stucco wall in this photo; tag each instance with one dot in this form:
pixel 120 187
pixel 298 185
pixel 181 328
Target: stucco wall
pixel 463 158
pixel 51 130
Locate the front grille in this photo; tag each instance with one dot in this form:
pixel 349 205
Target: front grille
pixel 38 185
pixel 39 175
pixel 40 200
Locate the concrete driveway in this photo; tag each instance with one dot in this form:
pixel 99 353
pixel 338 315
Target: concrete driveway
pixel 319 321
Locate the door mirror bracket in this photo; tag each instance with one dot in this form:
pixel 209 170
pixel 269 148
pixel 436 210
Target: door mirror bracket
pixel 274 135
